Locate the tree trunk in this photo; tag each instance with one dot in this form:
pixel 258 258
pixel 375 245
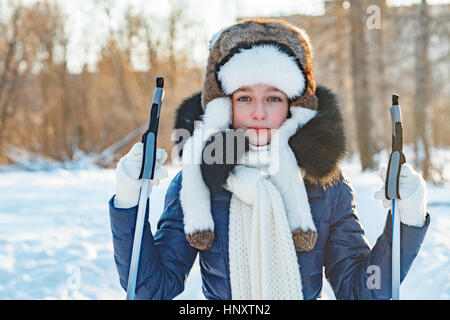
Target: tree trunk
pixel 361 94
pixel 342 75
pixel 384 96
pixel 422 103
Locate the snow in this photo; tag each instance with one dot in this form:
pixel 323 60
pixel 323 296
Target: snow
pixel 56 243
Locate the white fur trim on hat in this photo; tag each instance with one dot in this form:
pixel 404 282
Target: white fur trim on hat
pixel 266 64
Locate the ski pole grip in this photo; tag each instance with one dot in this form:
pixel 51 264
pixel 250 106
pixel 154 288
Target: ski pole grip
pixel 393 176
pixel 397 158
pixel 150 136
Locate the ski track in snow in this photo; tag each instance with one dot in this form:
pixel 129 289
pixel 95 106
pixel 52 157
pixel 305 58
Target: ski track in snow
pixel 56 243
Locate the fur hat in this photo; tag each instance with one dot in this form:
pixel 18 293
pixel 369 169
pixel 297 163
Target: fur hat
pixel 256 51
pixel 245 54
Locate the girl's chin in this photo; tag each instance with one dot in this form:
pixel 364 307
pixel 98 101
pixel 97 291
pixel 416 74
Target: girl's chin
pixel 259 139
pixel 258 144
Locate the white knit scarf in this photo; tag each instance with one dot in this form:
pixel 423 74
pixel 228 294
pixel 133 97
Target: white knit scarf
pixel 263 260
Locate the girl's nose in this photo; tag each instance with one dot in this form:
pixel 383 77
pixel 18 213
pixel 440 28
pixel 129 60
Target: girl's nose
pixel 259 111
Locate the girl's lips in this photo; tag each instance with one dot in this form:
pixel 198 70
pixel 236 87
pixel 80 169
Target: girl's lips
pixel 257 129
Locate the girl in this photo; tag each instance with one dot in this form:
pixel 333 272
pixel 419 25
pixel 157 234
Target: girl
pixel 267 222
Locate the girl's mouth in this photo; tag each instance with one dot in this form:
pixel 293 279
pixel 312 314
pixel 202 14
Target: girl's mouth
pixel 259 129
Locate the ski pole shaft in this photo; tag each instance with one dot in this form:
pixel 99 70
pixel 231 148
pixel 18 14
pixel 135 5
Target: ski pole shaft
pixel 395 253
pixel 146 174
pixel 137 241
pixel 397 158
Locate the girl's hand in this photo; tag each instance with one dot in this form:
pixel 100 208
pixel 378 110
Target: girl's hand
pixel 128 169
pixel 413 193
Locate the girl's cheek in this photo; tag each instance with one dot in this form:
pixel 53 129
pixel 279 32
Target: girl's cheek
pixel 279 117
pixel 239 118
pixel 281 120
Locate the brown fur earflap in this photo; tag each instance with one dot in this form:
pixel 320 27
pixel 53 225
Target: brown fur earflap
pixel 304 240
pixel 321 144
pixel 202 240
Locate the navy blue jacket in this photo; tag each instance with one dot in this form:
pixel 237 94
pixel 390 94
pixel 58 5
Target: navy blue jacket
pixel 342 248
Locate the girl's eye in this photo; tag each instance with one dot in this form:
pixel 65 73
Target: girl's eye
pixel 246 98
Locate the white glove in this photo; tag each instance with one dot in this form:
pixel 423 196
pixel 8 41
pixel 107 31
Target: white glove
pixel 128 169
pixel 413 192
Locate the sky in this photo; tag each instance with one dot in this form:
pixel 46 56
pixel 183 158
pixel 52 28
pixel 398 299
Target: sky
pixel 87 24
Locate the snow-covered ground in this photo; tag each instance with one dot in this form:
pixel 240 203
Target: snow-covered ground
pixel 55 239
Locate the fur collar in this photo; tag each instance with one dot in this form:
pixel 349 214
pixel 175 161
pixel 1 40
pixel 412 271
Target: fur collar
pixel 318 146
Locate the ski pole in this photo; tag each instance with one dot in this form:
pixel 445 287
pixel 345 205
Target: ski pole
pixel 396 159
pixel 146 174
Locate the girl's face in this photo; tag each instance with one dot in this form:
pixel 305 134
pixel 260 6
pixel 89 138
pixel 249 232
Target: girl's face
pixel 257 109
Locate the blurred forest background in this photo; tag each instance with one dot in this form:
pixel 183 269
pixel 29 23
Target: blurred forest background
pixel 364 50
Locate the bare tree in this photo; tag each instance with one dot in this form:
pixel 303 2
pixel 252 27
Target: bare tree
pixel 340 58
pixel 176 22
pixel 382 102
pixel 422 102
pixel 361 92
pixel 9 70
pixel 60 112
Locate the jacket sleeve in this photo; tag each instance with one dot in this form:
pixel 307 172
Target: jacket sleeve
pixel 166 258
pixel 353 269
